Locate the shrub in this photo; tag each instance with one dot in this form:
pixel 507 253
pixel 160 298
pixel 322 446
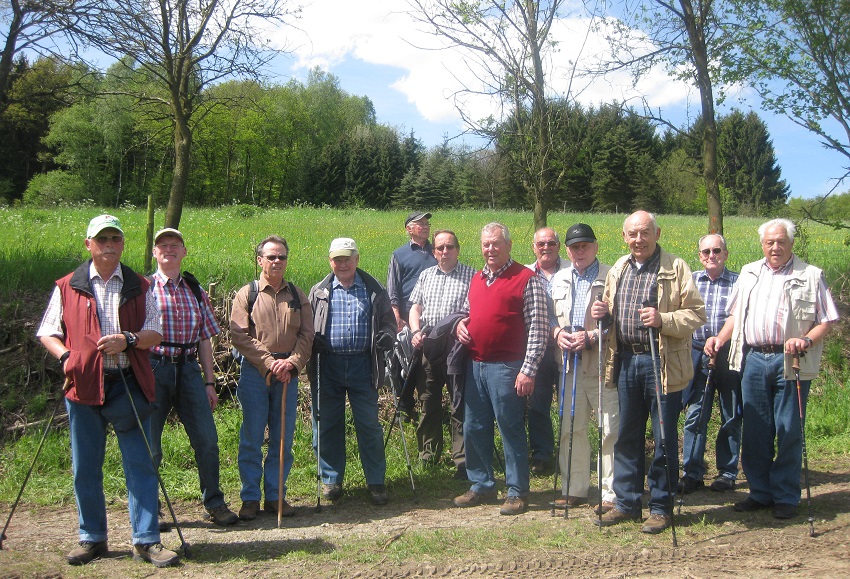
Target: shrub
pixel 55 188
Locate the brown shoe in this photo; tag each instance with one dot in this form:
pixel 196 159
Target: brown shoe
pixel 249 510
pixel 331 492
pixel 87 551
pixel 568 502
pixel 223 516
pixel 655 524
pixel 472 499
pixel 613 517
pixel 378 494
pixel 514 506
pixel 155 554
pixel 286 511
pixel 603 508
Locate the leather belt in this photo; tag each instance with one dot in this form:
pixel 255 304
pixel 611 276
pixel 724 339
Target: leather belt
pixel 174 359
pixel 280 355
pixel 113 374
pixel 637 348
pixel 768 349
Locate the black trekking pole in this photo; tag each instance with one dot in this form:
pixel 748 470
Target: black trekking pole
pixel 59 402
pixel 560 426
pixel 599 417
pixel 670 487
pixel 796 365
pixel 183 544
pixel 397 419
pixel 572 426
pixel 700 425
pixel 318 416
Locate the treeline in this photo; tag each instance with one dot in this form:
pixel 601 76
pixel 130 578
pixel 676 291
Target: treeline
pixel 75 136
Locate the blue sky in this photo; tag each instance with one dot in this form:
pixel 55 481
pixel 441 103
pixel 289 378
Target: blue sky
pixel 376 50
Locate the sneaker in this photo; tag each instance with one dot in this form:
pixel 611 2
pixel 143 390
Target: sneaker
pixel 287 510
pixel 86 552
pixel 603 508
pixel 223 516
pixel 613 517
pixel 539 467
pixel 379 494
pixel 723 484
pixel 568 502
pixel 749 506
pixel 514 506
pixel 156 554
pixel 784 511
pixel 472 499
pixel 249 510
pixel 331 492
pixel 688 485
pixel 655 524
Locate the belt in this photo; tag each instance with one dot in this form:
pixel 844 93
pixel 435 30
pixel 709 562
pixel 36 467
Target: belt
pixel 180 358
pixel 637 348
pixel 768 349
pixel 113 374
pixel 280 355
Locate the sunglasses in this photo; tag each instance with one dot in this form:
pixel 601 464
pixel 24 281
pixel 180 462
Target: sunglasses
pixel 446 247
pixel 276 257
pixel 541 244
pixel 714 250
pixel 101 239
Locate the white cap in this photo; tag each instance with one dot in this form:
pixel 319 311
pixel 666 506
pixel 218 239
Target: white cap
pixel 167 231
pixel 342 246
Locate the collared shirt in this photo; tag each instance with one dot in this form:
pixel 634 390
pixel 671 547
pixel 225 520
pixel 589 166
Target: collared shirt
pixel 581 292
pixel 768 307
pixel 545 278
pixel 535 311
pixel 183 320
pixel 441 293
pixel 715 293
pixel 406 263
pixel 348 317
pixel 107 296
pixel 637 284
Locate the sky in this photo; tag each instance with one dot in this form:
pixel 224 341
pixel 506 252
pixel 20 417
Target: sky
pixel 377 50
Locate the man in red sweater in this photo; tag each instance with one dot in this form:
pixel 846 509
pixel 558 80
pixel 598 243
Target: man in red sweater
pixel 505 334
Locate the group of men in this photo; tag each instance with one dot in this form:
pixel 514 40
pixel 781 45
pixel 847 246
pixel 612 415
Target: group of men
pixel 503 340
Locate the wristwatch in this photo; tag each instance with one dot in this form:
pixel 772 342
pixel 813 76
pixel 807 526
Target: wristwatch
pixel 132 339
pixel 808 342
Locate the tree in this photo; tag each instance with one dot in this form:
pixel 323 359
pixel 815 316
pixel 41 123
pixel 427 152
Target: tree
pixel 183 47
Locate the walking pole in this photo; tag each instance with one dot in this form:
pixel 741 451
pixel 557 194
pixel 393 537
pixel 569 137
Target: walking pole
pixel 59 402
pixel 560 426
pixel 796 365
pixel 397 419
pixel 599 415
pixel 572 426
pixel 281 453
pixel 700 425
pixel 318 416
pixel 670 488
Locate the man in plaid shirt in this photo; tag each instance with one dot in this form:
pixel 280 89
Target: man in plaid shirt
pixel 182 382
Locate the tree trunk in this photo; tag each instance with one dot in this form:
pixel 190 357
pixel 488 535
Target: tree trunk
pixel 180 178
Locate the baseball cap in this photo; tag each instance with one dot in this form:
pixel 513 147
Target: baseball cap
pixel 416 216
pixel 102 222
pixel 342 246
pixel 579 233
pixel 167 231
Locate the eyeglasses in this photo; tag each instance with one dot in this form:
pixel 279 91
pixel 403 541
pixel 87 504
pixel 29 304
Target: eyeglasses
pixel 101 239
pixel 446 247
pixel 169 246
pixel 542 244
pixel 714 250
pixel 276 257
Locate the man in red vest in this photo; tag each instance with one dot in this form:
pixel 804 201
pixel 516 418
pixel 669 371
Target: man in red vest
pixel 505 334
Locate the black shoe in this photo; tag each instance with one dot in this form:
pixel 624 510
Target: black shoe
pixel 164 527
pixel 332 491
pixel 539 467
pixel 723 484
pixel 460 473
pixel 688 485
pixel 784 511
pixel 750 506
pixel 86 552
pixel 379 494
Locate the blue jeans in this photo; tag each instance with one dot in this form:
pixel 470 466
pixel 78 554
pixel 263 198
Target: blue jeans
pixel 771 415
pixel 490 395
pixel 261 408
pixel 352 374
pixel 636 392
pixel 88 449
pixel 541 441
pixel 728 443
pixel 193 409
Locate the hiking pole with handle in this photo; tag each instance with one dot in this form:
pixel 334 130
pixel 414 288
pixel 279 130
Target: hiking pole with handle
pixel 670 488
pixel 796 365
pixel 572 426
pixel 318 416
pixel 555 492
pixel 59 402
pixel 397 419
pixel 281 452
pixel 710 366
pixel 599 416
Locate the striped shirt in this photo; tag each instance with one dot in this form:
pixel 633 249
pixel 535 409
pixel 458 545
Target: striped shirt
pixel 441 293
pixel 581 292
pixel 183 321
pixel 637 285
pixel 348 317
pixel 715 293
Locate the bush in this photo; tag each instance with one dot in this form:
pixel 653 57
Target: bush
pixel 55 188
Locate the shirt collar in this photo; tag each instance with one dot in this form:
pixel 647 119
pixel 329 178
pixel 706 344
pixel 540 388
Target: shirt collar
pixel 358 282
pixel 485 272
pixel 164 279
pixel 117 273
pixel 702 275
pixel 784 270
pixel 590 273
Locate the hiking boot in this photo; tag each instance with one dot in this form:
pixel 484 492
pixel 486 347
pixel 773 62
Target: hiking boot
pixel 222 516
pixel 603 508
pixel 613 517
pixel 472 499
pixel 722 484
pixel 286 510
pixel 379 494
pixel 688 485
pixel 156 554
pixel 568 502
pixel 249 510
pixel 331 492
pixel 539 467
pixel 655 524
pixel 749 506
pixel 86 552
pixel 460 473
pixel 514 506
pixel 784 511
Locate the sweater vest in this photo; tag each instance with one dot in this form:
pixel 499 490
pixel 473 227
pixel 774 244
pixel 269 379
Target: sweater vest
pixel 496 321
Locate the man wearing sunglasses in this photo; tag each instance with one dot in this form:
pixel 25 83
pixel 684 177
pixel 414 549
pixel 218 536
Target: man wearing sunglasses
pixel 274 334
pixel 714 283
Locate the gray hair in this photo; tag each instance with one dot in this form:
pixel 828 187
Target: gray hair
pixel 552 229
pixel 787 224
pixel 651 220
pixel 722 239
pixel 490 227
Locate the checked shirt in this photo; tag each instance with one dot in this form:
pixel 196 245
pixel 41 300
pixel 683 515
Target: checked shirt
pixel 441 293
pixel 349 316
pixel 183 322
pixel 715 294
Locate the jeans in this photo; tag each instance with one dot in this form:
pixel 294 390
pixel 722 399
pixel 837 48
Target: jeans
pixel 727 383
pixel 490 395
pixel 193 409
pixel 636 391
pixel 261 408
pixel 429 433
pixel 541 435
pixel 352 374
pixel 771 415
pixel 88 449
